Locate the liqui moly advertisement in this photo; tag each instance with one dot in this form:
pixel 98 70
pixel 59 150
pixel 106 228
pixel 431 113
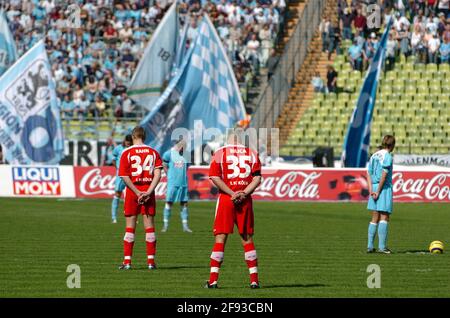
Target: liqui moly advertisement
pixel 288 185
pixel 37 181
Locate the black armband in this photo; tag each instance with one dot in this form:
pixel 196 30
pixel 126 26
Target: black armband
pixel 257 173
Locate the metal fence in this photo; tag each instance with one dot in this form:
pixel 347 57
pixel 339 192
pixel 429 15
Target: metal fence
pixel 274 95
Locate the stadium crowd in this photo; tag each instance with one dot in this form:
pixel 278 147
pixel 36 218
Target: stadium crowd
pixel 421 28
pixel 94 62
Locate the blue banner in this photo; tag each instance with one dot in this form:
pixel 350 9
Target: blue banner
pixel 204 89
pixel 357 141
pixel 8 52
pixel 30 122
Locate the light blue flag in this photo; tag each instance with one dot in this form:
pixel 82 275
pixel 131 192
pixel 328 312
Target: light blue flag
pixel 30 122
pixel 357 141
pixel 8 52
pixel 205 89
pixel 154 69
pixel 181 49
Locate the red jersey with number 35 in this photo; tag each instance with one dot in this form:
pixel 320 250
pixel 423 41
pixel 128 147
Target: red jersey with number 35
pixel 138 162
pixel 236 165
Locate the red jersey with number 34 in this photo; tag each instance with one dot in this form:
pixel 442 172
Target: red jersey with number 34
pixel 138 162
pixel 236 165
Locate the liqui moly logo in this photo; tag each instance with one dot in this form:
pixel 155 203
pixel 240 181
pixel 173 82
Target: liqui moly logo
pixel 98 182
pixel 291 186
pixel 36 181
pixel 436 188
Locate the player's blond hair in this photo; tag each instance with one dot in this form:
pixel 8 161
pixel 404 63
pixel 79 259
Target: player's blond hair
pixel 138 133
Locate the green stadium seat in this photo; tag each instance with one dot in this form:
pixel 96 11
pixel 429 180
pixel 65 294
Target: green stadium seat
pixel 432 67
pixel 419 67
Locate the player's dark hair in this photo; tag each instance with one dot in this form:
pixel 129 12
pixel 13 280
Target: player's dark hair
pixel 138 132
pixel 129 138
pixel 388 142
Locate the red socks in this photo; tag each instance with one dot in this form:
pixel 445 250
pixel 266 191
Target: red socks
pixel 150 240
pixel 128 243
pixel 250 258
pixel 216 261
pixel 252 261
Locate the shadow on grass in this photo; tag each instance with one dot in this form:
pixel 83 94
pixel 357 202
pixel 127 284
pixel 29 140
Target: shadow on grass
pixel 412 252
pixel 294 286
pixel 165 268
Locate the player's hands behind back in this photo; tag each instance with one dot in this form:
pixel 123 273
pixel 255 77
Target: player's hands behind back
pixel 238 197
pixel 143 197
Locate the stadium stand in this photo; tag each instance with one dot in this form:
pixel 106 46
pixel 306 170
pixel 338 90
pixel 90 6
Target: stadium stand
pixel 302 93
pixel 413 99
pixel 98 60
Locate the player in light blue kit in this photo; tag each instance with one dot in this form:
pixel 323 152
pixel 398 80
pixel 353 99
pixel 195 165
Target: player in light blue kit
pixel 380 201
pixel 119 184
pixel 175 166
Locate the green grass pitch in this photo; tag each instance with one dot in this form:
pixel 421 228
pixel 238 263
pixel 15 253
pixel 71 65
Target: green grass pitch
pixel 304 250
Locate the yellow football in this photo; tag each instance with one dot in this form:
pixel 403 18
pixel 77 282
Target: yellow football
pixel 436 247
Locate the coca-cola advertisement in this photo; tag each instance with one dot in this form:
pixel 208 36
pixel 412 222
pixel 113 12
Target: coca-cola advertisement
pixel 287 185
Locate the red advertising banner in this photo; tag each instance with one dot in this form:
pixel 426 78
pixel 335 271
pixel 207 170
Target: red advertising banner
pixel 287 185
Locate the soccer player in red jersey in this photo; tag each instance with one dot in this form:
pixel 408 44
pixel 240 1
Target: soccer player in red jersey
pixel 140 168
pixel 236 170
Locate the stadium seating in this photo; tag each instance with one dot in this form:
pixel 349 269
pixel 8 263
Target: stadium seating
pixel 412 104
pixel 302 93
pixel 250 86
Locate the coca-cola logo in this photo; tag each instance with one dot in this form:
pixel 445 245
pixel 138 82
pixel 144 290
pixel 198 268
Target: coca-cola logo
pixel 435 188
pixel 292 185
pixel 94 183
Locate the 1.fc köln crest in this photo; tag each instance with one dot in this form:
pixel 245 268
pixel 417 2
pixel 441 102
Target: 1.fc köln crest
pixel 30 93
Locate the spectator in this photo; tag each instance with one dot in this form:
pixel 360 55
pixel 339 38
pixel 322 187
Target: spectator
pixel 391 50
pixel 417 45
pixel 253 51
pixel 346 24
pixel 265 35
pixel 370 49
pixel 128 107
pixel 434 44
pixel 324 28
pixel 67 107
pixel 403 39
pixel 428 5
pixel 444 7
pixel 401 6
pixel 272 63
pixel 360 22
pixel 107 153
pixel 355 56
pixel 100 106
pixel 318 83
pixel 110 34
pixel 332 76
pixel 335 39
pixel 445 51
pixel 63 87
pixel 82 107
pixel 192 30
pixel 120 89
